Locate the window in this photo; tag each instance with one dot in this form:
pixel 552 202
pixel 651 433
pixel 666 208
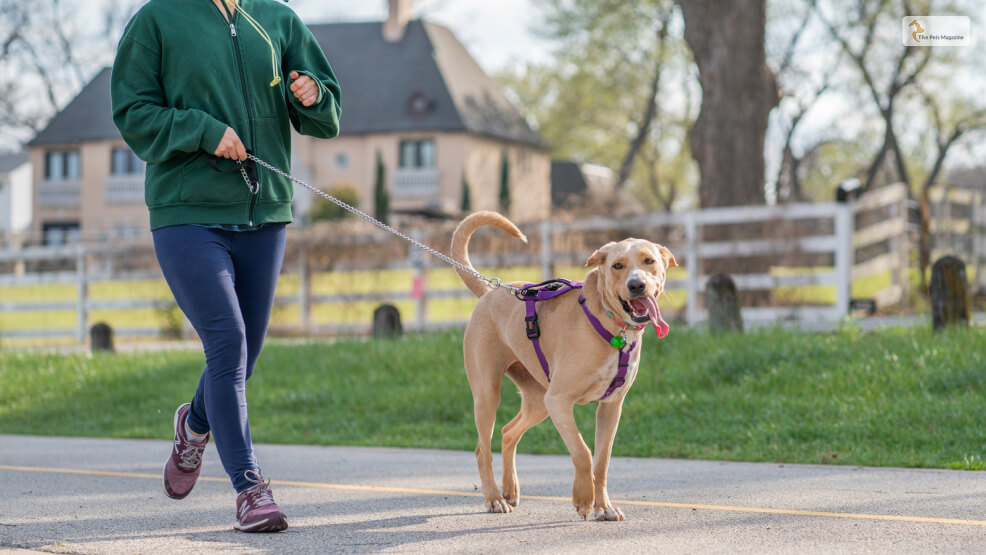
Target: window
pixel 342 160
pixel 125 162
pixel 64 165
pixel 61 233
pixel 418 154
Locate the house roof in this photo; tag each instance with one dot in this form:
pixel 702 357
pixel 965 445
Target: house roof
pixel 427 81
pixel 13 160
pixel 88 117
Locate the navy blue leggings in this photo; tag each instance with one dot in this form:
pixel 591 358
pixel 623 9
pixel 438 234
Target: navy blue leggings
pixel 224 283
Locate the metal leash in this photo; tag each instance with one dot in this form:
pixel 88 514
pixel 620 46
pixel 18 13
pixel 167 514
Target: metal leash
pixel 493 282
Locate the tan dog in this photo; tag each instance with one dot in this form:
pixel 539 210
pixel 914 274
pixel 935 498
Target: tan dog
pixel 626 281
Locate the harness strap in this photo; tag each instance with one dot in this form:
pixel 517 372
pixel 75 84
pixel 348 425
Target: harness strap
pixel 624 362
pixel 534 293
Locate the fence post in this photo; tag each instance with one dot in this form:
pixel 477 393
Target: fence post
pixel 692 264
pixel 949 298
pixel 418 284
pixel 843 258
pixel 304 286
pixel 547 255
pixel 978 228
pixel 723 304
pixel 903 246
pixel 82 306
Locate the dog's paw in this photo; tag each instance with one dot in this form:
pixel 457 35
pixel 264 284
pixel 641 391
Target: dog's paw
pixel 498 506
pixel 512 500
pixel 608 513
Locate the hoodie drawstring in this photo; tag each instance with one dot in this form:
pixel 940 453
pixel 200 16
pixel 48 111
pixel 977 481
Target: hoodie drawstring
pixel 235 5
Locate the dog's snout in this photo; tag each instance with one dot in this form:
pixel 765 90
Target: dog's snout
pixel 636 286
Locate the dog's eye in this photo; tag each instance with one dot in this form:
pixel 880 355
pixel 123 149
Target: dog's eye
pixel 618 266
pixel 648 261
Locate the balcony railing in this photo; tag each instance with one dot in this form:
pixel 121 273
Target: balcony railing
pixel 59 193
pixel 416 183
pixel 125 189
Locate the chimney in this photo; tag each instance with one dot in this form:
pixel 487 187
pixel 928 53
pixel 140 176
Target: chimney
pixel 400 14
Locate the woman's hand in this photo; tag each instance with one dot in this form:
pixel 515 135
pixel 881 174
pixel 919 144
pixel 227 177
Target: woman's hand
pixel 305 88
pixel 231 146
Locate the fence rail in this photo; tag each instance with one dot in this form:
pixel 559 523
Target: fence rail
pixel 770 251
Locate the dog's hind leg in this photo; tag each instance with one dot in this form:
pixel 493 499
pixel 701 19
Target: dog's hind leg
pixel 532 412
pixel 485 379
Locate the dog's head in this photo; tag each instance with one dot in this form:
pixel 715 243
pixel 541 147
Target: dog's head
pixel 632 273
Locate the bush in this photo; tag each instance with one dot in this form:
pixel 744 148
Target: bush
pixel 323 210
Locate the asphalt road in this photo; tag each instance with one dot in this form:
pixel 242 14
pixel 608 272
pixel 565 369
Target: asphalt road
pixel 69 495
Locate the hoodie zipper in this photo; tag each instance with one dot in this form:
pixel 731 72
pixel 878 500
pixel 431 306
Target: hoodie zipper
pixel 246 98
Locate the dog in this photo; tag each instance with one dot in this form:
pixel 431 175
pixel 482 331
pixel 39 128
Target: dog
pixel 625 281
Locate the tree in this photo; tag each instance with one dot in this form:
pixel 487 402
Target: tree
pixel 324 210
pixel 504 195
pixel 901 89
pixel 801 88
pixel 617 91
pixel 738 93
pixel 381 198
pixel 466 195
pixel 47 53
pixel 885 88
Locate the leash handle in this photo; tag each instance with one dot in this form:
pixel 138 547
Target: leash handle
pixel 247 168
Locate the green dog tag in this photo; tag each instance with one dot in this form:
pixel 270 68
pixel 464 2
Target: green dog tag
pixel 618 342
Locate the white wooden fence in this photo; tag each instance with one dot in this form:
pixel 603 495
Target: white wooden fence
pixel 822 233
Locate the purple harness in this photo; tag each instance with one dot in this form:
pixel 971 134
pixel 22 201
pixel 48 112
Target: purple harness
pixel 534 293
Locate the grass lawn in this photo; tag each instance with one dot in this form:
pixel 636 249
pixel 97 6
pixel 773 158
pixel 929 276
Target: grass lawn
pixel 909 398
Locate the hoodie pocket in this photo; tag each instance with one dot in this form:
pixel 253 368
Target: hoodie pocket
pixel 201 184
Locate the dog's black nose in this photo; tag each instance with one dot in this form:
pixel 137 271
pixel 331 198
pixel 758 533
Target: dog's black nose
pixel 636 287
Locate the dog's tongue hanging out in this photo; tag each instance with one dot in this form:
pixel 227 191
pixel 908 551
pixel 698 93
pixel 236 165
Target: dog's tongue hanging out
pixel 661 327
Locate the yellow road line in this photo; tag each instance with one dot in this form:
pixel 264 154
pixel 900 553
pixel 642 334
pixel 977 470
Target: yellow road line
pixel 416 491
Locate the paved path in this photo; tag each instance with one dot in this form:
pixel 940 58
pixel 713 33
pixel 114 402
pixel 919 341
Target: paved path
pixel 68 495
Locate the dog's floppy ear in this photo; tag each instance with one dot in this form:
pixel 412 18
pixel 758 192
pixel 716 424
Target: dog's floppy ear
pixel 599 256
pixel 669 260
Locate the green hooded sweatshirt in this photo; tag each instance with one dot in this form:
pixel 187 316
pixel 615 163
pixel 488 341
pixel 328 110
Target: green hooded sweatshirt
pixel 182 74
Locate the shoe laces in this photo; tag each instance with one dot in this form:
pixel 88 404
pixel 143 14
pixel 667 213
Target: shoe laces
pixel 259 494
pixel 191 455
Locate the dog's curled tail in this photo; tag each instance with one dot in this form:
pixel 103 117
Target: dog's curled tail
pixel 460 245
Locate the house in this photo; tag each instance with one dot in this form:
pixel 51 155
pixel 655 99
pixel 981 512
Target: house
pixel 412 96
pixel 15 195
pixel 580 186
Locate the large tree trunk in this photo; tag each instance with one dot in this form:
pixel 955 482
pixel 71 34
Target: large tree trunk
pixel 738 93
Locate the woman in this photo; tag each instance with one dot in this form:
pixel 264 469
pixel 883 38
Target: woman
pixel 195 81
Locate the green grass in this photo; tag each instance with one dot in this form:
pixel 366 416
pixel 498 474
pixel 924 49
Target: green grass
pixel 909 398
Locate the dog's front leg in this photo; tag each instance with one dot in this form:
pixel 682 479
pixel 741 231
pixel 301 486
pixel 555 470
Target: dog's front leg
pixel 607 418
pixel 560 410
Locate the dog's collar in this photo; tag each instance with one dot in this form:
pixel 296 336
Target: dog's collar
pixel 623 325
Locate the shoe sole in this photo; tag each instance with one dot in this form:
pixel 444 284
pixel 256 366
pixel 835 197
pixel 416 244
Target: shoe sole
pixel 164 473
pixel 266 525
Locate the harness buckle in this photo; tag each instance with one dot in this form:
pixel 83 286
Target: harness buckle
pixel 533 328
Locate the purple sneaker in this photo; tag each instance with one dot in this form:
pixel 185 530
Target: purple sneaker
pixel 256 510
pixel 183 466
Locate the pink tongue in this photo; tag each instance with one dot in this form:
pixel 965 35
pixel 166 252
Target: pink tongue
pixel 661 327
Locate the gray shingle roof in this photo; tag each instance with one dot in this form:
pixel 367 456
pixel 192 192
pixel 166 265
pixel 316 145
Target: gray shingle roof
pixel 379 82
pixel 88 117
